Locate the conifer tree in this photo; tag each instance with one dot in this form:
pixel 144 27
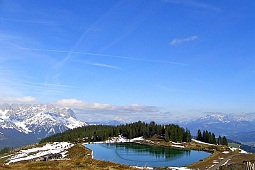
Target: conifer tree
pixel 214 139
pixel 206 136
pixel 219 140
pixel 199 135
pixel 224 141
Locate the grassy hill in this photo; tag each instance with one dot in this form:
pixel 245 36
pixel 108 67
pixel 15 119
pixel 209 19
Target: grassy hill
pixel 78 157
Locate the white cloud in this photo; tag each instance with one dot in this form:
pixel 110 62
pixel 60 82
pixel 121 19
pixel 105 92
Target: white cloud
pixel 182 40
pixel 138 108
pixel 105 108
pixel 91 112
pixel 27 99
pixel 78 104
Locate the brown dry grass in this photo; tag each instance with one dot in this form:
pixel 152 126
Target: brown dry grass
pixel 80 159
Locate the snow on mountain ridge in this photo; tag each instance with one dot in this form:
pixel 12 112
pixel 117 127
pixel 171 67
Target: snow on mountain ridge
pixel 3 114
pixel 34 118
pixel 224 118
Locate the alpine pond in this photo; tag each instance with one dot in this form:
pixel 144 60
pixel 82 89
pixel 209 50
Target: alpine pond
pixel 135 154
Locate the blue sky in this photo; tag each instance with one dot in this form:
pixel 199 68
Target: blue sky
pixel 128 60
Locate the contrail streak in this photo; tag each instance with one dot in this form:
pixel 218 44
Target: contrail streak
pixel 102 65
pixel 104 55
pixel 29 21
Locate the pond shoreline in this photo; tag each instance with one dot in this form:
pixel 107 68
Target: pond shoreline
pixel 219 152
pixel 155 142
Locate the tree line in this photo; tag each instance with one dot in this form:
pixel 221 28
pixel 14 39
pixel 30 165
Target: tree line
pixel 209 137
pixel 95 133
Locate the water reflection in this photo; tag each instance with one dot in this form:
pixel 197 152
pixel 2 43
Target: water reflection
pixel 145 155
pixel 156 151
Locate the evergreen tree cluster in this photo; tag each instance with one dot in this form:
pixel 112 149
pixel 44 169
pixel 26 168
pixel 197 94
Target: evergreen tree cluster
pixel 209 137
pixel 95 133
pixel 222 141
pixel 5 150
pixel 206 136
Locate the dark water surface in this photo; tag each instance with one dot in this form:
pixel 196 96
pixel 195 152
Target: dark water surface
pixel 135 154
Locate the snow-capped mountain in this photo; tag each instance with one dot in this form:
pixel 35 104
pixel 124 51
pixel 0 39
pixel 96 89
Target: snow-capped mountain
pixel 224 118
pixel 35 121
pixel 221 124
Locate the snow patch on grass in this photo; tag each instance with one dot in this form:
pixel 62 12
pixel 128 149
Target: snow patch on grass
pixel 225 152
pixel 233 149
pixel 197 141
pixel 29 154
pixel 215 161
pixel 121 139
pixel 178 146
pixel 242 151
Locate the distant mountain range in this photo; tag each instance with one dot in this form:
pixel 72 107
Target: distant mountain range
pixel 238 128
pixel 241 129
pixel 22 124
pixel 110 122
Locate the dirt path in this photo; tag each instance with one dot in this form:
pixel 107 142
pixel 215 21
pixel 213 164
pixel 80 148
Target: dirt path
pixel 215 167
